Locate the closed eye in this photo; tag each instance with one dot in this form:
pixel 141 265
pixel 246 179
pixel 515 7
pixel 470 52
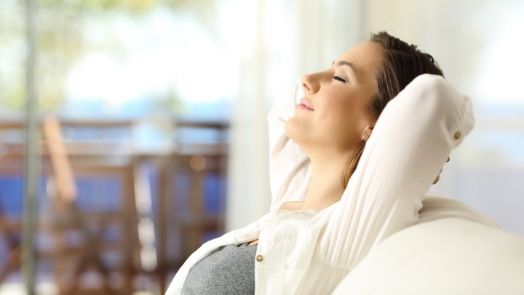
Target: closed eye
pixel 339 79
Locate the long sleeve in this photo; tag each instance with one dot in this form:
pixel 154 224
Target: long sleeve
pixel 411 141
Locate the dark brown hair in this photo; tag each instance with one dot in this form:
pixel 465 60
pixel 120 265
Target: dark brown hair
pixel 401 64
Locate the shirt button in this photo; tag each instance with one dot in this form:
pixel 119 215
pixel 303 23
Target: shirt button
pixel 260 258
pixel 458 135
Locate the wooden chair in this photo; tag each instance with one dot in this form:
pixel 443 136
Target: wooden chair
pixel 199 160
pixel 74 258
pixel 182 221
pixel 197 223
pixel 10 226
pixel 10 232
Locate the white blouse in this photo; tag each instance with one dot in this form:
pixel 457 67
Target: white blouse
pixel 308 252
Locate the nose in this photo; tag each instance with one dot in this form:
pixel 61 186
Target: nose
pixel 310 83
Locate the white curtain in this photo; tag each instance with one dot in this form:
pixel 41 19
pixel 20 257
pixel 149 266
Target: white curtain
pixel 279 41
pixel 248 185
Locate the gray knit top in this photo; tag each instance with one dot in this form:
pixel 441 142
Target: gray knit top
pixel 227 270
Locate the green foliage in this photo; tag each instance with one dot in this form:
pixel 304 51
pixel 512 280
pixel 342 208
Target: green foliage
pixel 13 97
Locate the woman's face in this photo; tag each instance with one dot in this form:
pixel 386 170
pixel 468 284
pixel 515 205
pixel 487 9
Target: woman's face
pixel 334 111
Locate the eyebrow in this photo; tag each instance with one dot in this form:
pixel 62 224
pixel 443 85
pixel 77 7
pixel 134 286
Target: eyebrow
pixel 345 63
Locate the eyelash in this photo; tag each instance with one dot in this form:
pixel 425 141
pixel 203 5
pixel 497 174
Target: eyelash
pixel 339 79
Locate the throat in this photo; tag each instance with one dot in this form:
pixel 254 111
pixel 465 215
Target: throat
pixel 326 183
pixel 318 199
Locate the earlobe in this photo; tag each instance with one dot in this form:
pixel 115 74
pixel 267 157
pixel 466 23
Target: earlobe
pixel 367 133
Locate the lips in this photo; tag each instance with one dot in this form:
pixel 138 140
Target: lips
pixel 304 104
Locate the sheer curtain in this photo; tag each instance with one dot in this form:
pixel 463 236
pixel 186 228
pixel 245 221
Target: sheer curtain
pixel 278 41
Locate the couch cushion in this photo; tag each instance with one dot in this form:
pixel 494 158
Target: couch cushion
pixel 445 256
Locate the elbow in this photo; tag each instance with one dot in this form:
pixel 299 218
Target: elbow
pixel 440 103
pixel 438 99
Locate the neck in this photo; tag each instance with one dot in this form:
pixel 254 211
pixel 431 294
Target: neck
pixel 325 187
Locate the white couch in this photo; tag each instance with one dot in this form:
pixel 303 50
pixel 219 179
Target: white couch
pixel 446 256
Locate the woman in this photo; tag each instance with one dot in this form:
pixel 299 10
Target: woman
pixel 328 212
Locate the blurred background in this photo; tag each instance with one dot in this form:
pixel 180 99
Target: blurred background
pixel 149 123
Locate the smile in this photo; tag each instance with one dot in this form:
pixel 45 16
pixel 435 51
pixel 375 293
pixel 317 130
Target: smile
pixel 305 105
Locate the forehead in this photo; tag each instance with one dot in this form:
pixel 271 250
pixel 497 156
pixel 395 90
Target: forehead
pixel 366 57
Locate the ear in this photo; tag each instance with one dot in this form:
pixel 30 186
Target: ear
pixel 367 133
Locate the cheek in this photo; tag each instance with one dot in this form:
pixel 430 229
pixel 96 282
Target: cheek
pixel 342 120
pixel 338 112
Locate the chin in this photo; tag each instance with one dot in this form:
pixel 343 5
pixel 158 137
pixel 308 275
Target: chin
pixel 297 132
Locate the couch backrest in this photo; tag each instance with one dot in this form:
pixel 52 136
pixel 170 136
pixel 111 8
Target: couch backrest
pixel 445 256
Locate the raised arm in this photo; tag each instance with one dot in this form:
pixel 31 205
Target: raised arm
pixel 411 141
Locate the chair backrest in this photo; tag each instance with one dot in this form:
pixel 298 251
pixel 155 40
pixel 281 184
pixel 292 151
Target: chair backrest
pixel 67 218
